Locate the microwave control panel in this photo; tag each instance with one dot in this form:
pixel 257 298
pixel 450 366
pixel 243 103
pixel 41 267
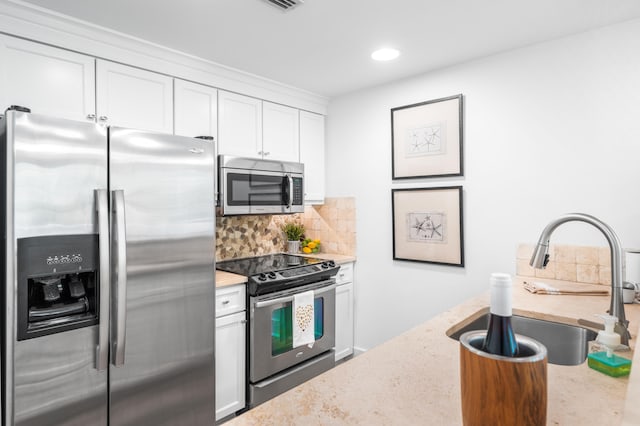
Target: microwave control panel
pixel 298 192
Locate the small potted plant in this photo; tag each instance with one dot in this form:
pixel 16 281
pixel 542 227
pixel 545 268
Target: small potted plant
pixel 294 232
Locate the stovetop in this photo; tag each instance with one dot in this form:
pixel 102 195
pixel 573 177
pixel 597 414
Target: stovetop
pixel 279 271
pixel 264 264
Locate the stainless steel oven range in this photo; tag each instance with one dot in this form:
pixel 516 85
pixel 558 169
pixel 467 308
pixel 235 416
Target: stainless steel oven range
pixel 274 364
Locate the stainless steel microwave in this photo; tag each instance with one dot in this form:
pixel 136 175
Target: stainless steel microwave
pixel 255 186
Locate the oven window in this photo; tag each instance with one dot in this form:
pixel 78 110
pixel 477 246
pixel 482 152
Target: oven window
pixel 255 190
pixel 282 326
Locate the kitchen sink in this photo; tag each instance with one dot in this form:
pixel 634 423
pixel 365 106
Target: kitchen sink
pixel 566 344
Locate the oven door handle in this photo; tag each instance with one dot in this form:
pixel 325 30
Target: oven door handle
pixel 286 299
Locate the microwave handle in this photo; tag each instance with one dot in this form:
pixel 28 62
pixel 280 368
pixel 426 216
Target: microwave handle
pixel 290 179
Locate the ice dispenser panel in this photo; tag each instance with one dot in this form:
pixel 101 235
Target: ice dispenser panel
pixel 57 278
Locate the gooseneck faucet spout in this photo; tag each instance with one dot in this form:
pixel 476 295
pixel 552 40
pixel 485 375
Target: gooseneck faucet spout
pixel 540 258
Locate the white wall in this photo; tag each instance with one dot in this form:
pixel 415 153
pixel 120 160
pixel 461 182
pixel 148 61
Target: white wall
pixel 549 129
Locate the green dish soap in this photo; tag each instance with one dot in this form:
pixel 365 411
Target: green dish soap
pixel 606 361
pixel 609 363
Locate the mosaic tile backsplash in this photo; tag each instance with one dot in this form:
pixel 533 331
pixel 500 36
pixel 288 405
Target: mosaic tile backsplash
pixel 243 236
pixel 333 223
pixel 582 264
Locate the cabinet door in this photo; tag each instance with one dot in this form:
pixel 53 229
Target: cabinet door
pixel 196 109
pixel 46 79
pixel 280 132
pixel 239 125
pixel 312 155
pixel 230 363
pixel 131 97
pixel 344 320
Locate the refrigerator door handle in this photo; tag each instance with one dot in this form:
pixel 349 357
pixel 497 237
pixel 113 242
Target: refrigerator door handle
pixel 102 349
pixel 119 299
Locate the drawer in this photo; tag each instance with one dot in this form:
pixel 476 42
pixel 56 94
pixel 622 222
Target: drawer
pixel 230 299
pixel 345 274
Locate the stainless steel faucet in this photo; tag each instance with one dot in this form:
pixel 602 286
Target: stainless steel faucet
pixel 540 258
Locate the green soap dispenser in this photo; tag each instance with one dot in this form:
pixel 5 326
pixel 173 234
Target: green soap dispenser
pixel 606 361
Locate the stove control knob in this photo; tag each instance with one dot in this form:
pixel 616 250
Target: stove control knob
pixel 272 275
pixel 262 277
pixel 332 263
pixel 325 265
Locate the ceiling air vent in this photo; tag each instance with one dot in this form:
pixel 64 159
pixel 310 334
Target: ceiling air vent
pixel 285 4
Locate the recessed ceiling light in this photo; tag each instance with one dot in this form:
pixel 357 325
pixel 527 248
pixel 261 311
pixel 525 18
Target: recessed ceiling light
pixel 385 54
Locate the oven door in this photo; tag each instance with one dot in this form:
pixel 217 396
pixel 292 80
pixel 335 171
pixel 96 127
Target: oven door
pixel 260 192
pixel 271 330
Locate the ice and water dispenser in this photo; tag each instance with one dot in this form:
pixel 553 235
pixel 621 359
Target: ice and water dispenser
pixel 57 279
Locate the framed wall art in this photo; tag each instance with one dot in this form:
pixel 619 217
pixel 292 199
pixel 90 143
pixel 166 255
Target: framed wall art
pixel 427 225
pixel 426 139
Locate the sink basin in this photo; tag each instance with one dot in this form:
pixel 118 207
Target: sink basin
pixel 566 344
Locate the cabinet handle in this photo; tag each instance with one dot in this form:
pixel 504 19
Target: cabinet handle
pixel 91 117
pixel 103 118
pixel 260 152
pixel 266 153
pixel 225 302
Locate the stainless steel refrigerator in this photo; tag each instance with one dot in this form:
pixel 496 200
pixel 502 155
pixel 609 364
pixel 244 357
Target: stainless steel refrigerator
pixel 108 265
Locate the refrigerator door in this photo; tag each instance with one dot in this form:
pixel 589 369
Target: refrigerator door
pixel 162 359
pixel 53 170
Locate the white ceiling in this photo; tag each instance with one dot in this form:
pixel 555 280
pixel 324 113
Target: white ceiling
pixel 323 46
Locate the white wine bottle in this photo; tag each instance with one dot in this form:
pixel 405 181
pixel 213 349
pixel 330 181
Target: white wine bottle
pixel 500 339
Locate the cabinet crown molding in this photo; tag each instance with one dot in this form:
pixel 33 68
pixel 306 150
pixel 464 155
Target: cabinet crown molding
pixel 25 20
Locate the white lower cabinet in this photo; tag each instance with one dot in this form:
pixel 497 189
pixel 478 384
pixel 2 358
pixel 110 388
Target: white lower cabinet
pixel 230 351
pixel 344 312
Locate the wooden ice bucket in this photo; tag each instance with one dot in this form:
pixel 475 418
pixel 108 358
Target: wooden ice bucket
pixel 498 390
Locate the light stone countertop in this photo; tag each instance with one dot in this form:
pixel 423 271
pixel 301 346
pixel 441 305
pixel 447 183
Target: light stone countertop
pixel 413 379
pixel 338 258
pixel 224 279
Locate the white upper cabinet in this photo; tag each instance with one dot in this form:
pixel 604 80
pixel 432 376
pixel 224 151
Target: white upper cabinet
pixel 312 155
pixel 46 79
pixel 280 132
pixel 250 127
pixel 195 109
pixel 239 125
pixel 131 97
